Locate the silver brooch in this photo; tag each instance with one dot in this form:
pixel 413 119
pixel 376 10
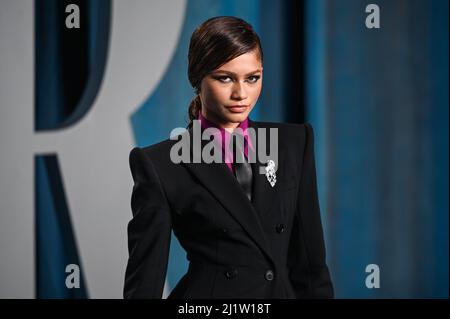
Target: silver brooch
pixel 270 173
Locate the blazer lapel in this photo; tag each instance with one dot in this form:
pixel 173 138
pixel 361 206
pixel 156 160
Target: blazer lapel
pixel 263 193
pixel 218 179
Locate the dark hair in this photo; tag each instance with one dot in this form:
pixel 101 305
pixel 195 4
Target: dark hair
pixel 215 42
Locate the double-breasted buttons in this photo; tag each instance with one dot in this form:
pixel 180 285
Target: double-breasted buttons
pixel 269 275
pixel 280 228
pixel 231 273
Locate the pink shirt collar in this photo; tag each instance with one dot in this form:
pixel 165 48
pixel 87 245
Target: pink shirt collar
pixel 243 125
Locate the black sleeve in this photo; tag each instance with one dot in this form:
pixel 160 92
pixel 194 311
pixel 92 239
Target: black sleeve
pixel 149 231
pixel 308 271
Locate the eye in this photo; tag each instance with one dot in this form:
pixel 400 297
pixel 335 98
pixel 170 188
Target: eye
pixel 223 79
pixel 254 78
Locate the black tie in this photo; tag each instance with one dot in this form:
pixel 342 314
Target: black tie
pixel 242 168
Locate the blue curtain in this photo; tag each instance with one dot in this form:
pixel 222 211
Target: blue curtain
pixel 378 100
pixel 69 67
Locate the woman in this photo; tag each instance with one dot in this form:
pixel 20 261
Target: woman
pixel 246 234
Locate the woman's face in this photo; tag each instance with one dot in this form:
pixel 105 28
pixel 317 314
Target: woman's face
pixel 229 93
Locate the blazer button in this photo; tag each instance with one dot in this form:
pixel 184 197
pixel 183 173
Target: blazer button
pixel 269 275
pixel 280 228
pixel 231 273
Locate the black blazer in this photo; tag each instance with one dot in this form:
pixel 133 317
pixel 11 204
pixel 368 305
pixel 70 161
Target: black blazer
pixel 271 247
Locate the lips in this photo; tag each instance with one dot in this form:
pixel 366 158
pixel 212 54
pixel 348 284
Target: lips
pixel 237 108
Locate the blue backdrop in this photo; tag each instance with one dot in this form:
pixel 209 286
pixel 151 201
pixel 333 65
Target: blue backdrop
pixel 377 99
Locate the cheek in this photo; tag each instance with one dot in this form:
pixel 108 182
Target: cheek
pixel 218 95
pixel 256 92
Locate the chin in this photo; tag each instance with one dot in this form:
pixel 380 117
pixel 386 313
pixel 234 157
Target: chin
pixel 237 118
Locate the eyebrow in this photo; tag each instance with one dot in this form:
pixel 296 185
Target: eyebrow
pixel 232 73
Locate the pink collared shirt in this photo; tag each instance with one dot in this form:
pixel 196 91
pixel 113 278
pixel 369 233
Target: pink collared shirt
pixel 225 137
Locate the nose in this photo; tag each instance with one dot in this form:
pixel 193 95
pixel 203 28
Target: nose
pixel 239 92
